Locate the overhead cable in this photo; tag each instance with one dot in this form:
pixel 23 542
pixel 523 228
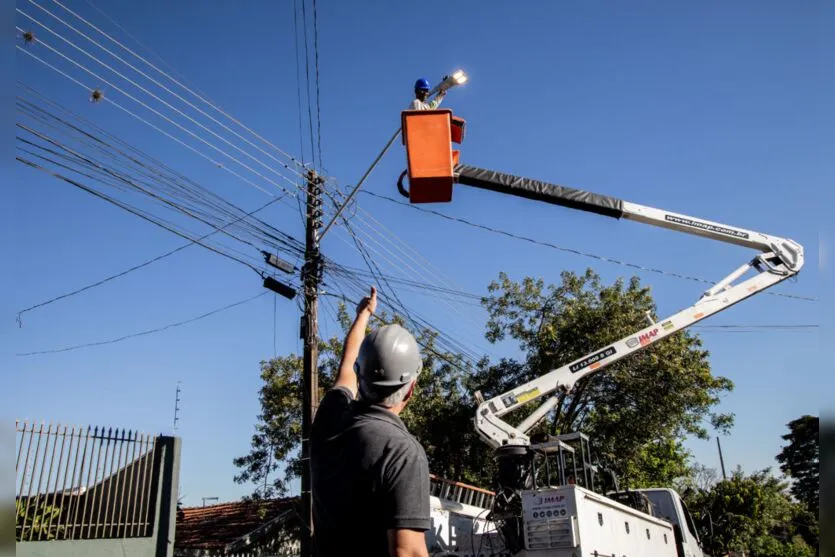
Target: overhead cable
pixel 147 332
pixel 136 267
pixel 132 210
pixel 204 100
pixel 98 60
pixel 318 105
pixel 182 185
pixel 564 249
pixel 169 120
pixel 143 120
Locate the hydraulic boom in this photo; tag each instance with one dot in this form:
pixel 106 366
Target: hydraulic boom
pixel 433 168
pixel 778 259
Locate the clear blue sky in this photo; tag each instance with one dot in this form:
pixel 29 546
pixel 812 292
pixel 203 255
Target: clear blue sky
pixel 713 109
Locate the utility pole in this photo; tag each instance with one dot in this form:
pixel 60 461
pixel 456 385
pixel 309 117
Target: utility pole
pixel 311 277
pixel 721 459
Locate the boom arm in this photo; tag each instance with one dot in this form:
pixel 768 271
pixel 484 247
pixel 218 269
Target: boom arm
pixel 778 260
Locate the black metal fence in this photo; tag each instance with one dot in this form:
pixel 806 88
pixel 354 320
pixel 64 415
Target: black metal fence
pixel 84 482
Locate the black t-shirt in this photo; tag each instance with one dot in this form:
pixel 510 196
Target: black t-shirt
pixel 369 475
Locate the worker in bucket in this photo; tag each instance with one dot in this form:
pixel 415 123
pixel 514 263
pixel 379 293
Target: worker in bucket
pixel 370 476
pixel 422 89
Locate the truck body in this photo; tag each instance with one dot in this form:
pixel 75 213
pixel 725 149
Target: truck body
pixel 569 521
pixel 564 521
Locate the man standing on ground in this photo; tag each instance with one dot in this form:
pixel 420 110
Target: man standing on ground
pixel 370 476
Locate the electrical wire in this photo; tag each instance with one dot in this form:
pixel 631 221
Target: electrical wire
pixel 307 88
pixel 398 305
pixel 400 268
pixel 169 120
pixel 147 332
pixel 193 93
pixel 418 322
pixel 147 49
pixel 120 107
pixel 423 345
pixel 132 210
pixel 134 268
pixel 318 106
pixel 298 94
pixel 112 173
pixel 139 159
pixel 564 249
pixel 227 128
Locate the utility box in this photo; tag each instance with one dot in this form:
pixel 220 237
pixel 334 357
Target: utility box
pixel 428 136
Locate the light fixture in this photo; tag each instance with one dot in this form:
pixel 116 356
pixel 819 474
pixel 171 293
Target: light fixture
pixel 458 77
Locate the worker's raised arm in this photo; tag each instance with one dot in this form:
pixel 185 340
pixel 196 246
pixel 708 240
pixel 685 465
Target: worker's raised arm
pixel 346 377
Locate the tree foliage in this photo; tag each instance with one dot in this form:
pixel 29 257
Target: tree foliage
pixel 440 416
pixel 638 409
pixel 636 412
pixel 754 514
pixel 800 460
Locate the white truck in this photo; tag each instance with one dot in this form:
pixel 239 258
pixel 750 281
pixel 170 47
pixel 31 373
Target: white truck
pixel 566 521
pixel 551 516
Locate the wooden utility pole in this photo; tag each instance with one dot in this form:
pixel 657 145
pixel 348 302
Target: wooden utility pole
pixel 312 277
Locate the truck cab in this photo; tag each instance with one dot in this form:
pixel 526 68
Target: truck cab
pixel 667 505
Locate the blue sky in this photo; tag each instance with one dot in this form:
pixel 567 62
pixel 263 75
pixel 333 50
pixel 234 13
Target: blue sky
pixel 711 109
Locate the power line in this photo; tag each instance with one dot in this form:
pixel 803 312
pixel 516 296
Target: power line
pixel 147 332
pixel 132 210
pixel 318 107
pixel 423 345
pixel 564 249
pixel 285 165
pixel 182 184
pixel 143 120
pixel 417 321
pixel 337 267
pixel 169 120
pixel 203 201
pixel 298 95
pixel 136 267
pixel 307 89
pixel 124 179
pixel 204 100
pixel 147 49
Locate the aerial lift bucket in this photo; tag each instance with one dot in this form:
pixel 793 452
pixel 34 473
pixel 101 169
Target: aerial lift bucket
pixel 428 136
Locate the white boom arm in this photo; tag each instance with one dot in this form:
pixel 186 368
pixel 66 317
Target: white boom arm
pixel 778 260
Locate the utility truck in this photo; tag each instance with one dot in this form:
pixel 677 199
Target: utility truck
pixel 547 501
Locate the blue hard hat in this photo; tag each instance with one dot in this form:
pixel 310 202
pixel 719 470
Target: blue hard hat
pixel 422 84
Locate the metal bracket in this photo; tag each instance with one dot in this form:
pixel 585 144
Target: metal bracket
pixel 403 191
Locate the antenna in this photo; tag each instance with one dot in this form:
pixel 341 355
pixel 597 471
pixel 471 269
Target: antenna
pixel 177 407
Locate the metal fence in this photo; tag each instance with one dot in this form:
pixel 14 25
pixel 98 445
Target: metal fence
pixel 77 483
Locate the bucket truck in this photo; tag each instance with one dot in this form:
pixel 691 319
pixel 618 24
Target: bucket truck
pixel 551 516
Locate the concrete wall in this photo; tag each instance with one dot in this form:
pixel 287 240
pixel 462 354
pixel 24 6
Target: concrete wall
pixel 135 547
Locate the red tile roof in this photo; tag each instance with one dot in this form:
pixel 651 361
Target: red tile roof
pixel 215 526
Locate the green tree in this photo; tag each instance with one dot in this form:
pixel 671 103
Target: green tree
pixel 440 416
pixel 749 513
pixel 636 411
pixel 800 460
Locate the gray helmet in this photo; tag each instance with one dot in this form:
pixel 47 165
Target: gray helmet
pixel 388 357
